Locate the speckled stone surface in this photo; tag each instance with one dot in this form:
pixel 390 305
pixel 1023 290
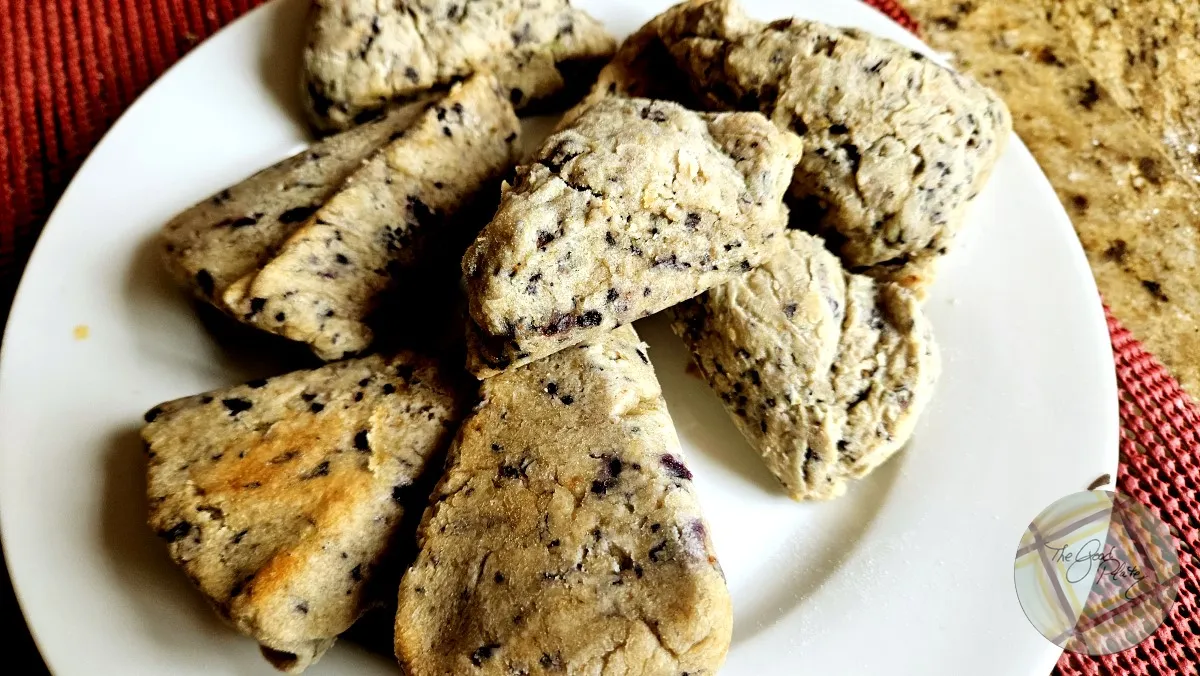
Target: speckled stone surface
pixel 1136 215
pixel 1147 55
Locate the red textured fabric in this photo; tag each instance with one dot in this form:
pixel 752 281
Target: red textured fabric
pixel 896 13
pixel 1160 466
pixel 68 68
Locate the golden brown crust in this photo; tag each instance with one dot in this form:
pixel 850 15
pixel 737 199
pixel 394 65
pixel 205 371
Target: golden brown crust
pixel 280 498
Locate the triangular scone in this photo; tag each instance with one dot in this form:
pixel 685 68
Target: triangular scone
pixel 633 207
pixel 565 536
pixel 896 145
pixel 363 53
pixel 214 243
pixel 280 497
pixel 823 371
pixel 321 285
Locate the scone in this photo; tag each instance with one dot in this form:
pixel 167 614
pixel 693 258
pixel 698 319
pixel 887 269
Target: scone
pixel 565 536
pixel 280 498
pixel 896 146
pixel 824 372
pixel 389 216
pixel 216 242
pixel 363 53
pixel 633 207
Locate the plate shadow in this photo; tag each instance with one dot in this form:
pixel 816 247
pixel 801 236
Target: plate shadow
pixel 138 557
pixel 280 64
pixel 171 340
pixel 699 416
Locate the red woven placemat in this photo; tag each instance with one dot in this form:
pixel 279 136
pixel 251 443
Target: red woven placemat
pixel 68 68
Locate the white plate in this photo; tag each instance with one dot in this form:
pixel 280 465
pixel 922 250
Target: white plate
pixel 910 573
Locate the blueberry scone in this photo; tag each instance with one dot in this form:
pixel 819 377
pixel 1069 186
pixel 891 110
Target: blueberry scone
pixel 896 146
pixel 824 372
pixel 324 281
pixel 364 53
pixel 633 207
pixel 279 498
pixel 216 242
pixel 565 536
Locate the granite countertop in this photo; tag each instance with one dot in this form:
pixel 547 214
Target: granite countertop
pixel 1105 95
